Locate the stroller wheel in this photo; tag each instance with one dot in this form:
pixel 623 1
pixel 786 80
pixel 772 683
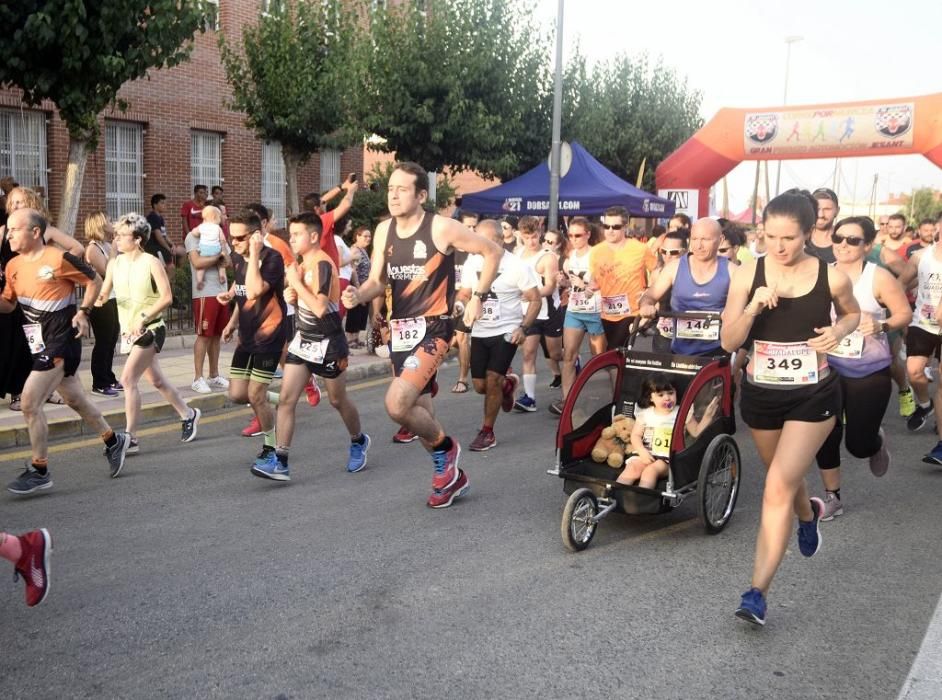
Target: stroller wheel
pixel 578 525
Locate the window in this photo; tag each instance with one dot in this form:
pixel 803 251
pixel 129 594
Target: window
pixel 23 147
pixel 330 168
pixel 205 158
pixel 124 168
pixel 273 182
pixel 212 15
pixel 272 7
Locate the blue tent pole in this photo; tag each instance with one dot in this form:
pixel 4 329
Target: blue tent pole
pixel 553 218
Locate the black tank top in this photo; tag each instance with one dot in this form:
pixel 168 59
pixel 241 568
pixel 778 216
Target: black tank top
pixel 793 320
pixel 421 278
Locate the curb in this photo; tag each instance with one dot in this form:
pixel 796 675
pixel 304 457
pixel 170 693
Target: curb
pixel 162 411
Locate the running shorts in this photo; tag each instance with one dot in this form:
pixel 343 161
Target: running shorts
pixel 768 409
pixel 336 357
pixel 492 354
pixel 922 343
pixel 419 365
pixel 254 366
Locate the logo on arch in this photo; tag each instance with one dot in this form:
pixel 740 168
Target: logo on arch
pixel 761 128
pixel 894 120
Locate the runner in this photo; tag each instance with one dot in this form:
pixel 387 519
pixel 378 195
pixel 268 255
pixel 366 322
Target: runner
pixel 674 247
pixel 30 554
pixel 260 316
pixel 778 307
pixel 500 329
pixel 696 282
pixel 862 360
pixel 546 266
pixel 927 236
pixel 819 243
pixel 584 308
pixel 556 243
pixel 142 292
pixel 896 238
pixel 462 338
pixel 43 280
pixel 99 233
pixel 415 249
pixel 619 267
pixel 319 347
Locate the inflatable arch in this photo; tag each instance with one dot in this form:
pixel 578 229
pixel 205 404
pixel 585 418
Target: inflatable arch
pixel 850 129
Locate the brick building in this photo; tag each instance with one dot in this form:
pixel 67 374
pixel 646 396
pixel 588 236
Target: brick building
pixel 177 132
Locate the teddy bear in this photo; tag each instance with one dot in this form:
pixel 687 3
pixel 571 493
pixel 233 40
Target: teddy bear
pixel 615 441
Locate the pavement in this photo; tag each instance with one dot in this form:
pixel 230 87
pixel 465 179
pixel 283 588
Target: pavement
pixel 189 577
pixel 176 361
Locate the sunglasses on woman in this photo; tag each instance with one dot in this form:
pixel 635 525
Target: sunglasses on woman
pixel 849 240
pixel 672 253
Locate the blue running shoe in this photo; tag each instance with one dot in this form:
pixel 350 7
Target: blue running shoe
pixel 752 607
pixel 934 457
pixel 268 466
pixel 525 404
pixel 357 461
pixel 809 534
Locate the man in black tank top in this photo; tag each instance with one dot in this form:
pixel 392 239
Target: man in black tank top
pixel 414 251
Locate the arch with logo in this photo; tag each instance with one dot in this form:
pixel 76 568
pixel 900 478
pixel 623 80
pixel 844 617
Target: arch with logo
pixel 841 130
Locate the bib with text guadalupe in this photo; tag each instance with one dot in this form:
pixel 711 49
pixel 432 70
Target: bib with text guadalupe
pixel 788 364
pixel 850 347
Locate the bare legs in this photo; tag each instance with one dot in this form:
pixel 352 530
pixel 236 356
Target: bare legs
pixel 143 362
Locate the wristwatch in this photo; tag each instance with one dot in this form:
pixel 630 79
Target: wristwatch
pixel 85 309
pixel 884 326
pixel 482 295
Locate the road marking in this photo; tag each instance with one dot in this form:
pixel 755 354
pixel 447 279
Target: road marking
pixel 925 677
pixel 226 414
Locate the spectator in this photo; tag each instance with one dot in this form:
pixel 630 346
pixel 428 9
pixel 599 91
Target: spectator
pixel 357 316
pixel 192 212
pixel 104 318
pixel 6 185
pixel 317 203
pixel 217 200
pixel 159 244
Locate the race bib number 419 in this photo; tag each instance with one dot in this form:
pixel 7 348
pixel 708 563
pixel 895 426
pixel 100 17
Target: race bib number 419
pixel 616 305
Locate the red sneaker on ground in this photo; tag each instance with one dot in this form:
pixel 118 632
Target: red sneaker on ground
pixel 511 382
pixel 446 467
pixel 443 499
pixel 403 436
pixel 33 565
pixel 485 440
pixel 313 391
pixel 253 429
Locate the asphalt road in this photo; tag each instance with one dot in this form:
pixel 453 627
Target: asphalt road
pixel 188 577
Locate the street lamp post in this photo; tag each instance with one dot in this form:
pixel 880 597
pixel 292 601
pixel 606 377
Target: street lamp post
pixel 789 40
pixel 553 216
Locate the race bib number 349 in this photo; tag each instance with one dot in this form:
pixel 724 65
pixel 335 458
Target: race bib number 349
pixel 793 364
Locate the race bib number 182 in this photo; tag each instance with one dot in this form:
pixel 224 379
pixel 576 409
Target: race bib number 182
pixel 406 333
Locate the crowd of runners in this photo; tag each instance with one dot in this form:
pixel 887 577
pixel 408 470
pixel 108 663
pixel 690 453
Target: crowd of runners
pixel 821 315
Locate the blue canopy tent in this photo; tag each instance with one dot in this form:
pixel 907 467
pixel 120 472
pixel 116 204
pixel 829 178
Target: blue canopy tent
pixel 587 189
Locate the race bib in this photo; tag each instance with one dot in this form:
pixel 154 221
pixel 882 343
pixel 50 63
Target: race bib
pixel 406 333
pixel 34 337
pixel 581 301
pixel 665 327
pixel 927 317
pixel 697 329
pixel 490 310
pixel 616 305
pixel 661 441
pixel 851 346
pixel 793 364
pixel 309 350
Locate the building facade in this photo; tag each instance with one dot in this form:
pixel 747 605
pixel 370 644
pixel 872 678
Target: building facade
pixel 177 132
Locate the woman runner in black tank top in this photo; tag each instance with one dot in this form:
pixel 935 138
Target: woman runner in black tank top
pixel 778 309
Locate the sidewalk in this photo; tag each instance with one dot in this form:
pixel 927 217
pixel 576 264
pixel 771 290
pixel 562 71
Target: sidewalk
pixel 176 361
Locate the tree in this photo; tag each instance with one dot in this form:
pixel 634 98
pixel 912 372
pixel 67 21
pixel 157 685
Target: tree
pixel 78 55
pixel 626 109
pixel 924 203
pixel 295 79
pixel 459 84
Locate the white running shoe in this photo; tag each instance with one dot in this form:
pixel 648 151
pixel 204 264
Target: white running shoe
pixel 200 386
pixel 219 382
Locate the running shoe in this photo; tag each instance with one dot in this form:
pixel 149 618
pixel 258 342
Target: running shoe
pixel 189 426
pixel 752 607
pixel 880 462
pixel 253 429
pixel 313 391
pixel 33 564
pixel 268 466
pixel 525 404
pixel 446 466
pixel 30 481
pixel 484 441
pixel 279 373
pixel 357 461
pixel 907 404
pixel 134 447
pixel 218 382
pixel 117 386
pixel 919 417
pixel 403 436
pixel 832 507
pixel 556 408
pixel 935 456
pixel 447 496
pixel 117 452
pixel 200 386
pixel 511 382
pixel 105 391
pixel 557 381
pixel 809 533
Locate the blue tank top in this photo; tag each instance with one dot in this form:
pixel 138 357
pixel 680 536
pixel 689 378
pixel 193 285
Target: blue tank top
pixel 688 295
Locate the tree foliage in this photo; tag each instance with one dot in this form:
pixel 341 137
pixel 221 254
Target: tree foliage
pixel 460 84
pixel 923 203
pixel 295 78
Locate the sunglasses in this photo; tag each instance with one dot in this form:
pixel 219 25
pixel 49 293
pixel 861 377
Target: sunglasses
pixel 849 240
pixel 237 239
pixel 578 235
pixel 724 249
pixel 613 227
pixel 679 251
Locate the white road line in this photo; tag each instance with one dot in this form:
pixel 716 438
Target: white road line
pixel 924 681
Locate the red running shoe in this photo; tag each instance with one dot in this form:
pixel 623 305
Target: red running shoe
pixel 33 565
pixel 313 391
pixel 446 467
pixel 485 440
pixel 511 382
pixel 253 429
pixel 403 436
pixel 443 499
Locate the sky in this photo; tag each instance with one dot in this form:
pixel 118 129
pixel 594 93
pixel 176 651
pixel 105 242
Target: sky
pixel 734 53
